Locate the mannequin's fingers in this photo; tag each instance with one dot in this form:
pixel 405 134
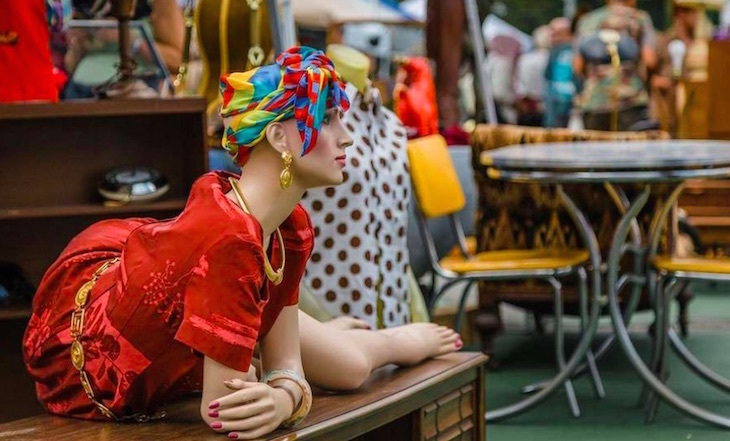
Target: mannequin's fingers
pixel 250 423
pixel 240 412
pixel 248 392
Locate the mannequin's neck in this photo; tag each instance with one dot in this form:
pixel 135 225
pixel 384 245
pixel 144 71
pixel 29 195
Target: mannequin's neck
pixel 259 183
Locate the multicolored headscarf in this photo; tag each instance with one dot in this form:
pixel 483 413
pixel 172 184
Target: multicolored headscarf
pixel 302 84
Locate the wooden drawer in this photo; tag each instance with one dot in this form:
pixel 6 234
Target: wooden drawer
pixel 451 417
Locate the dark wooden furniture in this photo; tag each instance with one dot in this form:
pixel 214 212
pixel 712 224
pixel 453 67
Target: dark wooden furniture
pixel 54 155
pixel 441 399
pixel 706 202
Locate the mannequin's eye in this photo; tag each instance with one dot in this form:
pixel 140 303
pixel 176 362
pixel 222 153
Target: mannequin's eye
pixel 326 119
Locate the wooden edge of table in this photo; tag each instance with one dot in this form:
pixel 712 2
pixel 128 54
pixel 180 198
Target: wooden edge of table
pixel 346 425
pixel 102 107
pixel 321 428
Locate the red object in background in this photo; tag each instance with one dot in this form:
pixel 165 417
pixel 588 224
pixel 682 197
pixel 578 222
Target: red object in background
pixel 415 97
pixel 455 135
pixel 26 70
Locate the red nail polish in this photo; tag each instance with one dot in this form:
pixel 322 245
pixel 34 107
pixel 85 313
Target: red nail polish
pixel 459 343
pixel 213 414
pixel 216 425
pixel 213 405
pixel 233 435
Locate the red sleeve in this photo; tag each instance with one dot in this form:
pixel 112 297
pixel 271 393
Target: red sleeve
pixel 222 303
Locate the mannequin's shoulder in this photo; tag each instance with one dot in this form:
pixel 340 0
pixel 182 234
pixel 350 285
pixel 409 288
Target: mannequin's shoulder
pixel 297 229
pixel 299 219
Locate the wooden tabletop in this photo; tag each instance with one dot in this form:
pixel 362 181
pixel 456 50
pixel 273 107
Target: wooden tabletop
pixel 390 393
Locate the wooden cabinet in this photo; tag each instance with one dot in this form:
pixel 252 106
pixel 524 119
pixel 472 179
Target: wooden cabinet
pixel 708 116
pixel 53 157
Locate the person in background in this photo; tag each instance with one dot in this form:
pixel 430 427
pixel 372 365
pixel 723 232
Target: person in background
pixel 500 66
pixel 164 16
pixel 530 84
pixel 26 67
pixel 91 58
pixel 595 100
pixel 559 85
pixel 685 20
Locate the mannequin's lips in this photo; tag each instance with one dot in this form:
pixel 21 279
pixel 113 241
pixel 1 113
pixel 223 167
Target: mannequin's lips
pixel 342 160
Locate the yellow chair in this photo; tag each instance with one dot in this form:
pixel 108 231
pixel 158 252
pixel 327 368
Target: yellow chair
pixel 669 275
pixel 438 194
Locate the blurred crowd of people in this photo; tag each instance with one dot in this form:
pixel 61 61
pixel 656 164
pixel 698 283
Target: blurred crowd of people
pixel 562 82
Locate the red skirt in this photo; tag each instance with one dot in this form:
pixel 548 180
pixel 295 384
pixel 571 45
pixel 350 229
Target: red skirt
pixel 125 378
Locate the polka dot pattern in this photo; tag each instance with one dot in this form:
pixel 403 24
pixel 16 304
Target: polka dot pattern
pixel 361 244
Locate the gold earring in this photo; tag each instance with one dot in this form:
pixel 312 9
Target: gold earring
pixel 285 178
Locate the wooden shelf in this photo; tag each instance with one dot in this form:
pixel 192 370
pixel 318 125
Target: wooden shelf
pixel 90 210
pixel 96 108
pixel 16 312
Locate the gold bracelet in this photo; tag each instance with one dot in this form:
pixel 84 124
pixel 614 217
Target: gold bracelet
pixel 304 406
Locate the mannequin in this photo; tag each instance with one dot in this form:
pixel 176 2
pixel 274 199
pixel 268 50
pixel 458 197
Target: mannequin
pixel 161 309
pixel 360 264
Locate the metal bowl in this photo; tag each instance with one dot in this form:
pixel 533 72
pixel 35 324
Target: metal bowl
pixel 133 184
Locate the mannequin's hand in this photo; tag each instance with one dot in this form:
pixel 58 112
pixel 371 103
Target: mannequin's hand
pixel 253 410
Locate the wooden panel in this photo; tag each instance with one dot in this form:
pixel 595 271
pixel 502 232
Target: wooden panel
pixel 388 396
pixel 708 207
pixel 451 417
pixel 693 122
pixel 18 390
pixel 428 421
pixel 719 93
pixel 84 108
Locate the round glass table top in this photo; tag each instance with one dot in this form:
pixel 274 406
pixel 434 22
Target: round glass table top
pixel 611 156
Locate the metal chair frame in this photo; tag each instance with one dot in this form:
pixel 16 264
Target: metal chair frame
pixel 664 285
pixel 548 275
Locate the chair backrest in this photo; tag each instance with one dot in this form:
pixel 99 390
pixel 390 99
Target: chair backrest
pixel 435 182
pixel 441 230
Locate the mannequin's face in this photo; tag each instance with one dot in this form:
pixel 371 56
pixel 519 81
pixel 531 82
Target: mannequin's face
pixel 323 166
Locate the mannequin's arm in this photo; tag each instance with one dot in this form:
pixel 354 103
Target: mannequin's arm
pixel 280 350
pixel 235 401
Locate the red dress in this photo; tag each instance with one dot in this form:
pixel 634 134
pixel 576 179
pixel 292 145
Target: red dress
pixel 191 285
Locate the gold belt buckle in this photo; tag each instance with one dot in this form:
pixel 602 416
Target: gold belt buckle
pixel 82 295
pixel 77 322
pixel 77 355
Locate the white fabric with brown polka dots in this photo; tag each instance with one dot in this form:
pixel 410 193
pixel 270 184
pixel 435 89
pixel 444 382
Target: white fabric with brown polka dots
pixel 360 258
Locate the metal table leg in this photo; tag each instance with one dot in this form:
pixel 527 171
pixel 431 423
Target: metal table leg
pixel 621 200
pixel 622 332
pixel 591 326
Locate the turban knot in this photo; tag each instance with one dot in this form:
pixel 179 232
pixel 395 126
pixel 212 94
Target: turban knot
pixel 302 84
